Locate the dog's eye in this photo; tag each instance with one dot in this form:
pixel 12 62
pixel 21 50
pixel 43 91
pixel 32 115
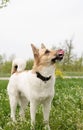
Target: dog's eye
pixel 47 52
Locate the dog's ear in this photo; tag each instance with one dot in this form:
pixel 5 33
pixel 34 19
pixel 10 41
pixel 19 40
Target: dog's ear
pixel 43 46
pixel 35 53
pixel 35 50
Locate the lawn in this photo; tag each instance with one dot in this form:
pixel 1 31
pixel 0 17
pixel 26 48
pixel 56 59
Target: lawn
pixel 66 111
pixel 73 73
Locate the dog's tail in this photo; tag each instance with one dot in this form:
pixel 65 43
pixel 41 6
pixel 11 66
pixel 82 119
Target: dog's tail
pixel 18 65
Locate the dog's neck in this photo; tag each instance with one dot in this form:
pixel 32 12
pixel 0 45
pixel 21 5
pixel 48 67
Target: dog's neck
pixel 45 79
pixel 45 71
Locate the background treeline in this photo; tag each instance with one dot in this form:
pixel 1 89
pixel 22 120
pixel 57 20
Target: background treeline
pixel 3 3
pixel 70 63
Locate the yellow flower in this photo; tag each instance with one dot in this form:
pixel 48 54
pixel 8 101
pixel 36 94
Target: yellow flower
pixel 58 73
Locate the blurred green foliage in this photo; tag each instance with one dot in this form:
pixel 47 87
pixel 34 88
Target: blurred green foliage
pixel 3 3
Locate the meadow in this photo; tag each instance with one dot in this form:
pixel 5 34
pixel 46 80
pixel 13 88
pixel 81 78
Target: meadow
pixel 66 111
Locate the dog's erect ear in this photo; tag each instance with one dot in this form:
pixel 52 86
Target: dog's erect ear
pixel 35 53
pixel 43 46
pixel 35 50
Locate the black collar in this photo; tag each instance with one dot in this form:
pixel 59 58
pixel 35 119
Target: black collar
pixel 42 77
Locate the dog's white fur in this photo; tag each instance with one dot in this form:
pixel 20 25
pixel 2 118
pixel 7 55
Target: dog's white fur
pixel 21 65
pixel 26 87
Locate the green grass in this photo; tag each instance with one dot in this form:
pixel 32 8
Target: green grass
pixel 5 74
pixel 73 73
pixel 66 111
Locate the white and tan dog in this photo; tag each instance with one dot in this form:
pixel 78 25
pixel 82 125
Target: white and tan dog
pixel 35 86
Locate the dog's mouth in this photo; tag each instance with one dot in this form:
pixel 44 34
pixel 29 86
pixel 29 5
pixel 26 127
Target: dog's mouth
pixel 59 56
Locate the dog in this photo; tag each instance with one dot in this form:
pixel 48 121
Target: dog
pixel 35 86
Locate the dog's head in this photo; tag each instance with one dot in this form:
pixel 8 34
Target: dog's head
pixel 46 57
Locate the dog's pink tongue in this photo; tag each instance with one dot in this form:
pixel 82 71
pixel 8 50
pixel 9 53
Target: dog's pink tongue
pixel 61 52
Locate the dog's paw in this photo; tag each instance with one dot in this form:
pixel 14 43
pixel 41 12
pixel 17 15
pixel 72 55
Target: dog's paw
pixel 47 127
pixel 32 127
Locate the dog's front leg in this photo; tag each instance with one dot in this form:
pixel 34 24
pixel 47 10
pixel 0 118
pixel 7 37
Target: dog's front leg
pixel 46 112
pixel 33 106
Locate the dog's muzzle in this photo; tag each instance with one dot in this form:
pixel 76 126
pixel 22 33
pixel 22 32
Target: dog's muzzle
pixel 59 56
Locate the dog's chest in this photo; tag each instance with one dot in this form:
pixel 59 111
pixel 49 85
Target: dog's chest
pixel 41 90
